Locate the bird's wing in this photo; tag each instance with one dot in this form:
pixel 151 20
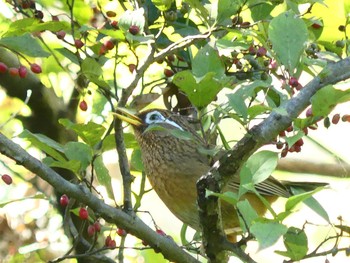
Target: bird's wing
pixel 269 187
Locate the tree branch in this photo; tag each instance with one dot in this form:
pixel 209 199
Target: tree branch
pixel 341 170
pixel 132 224
pixel 261 134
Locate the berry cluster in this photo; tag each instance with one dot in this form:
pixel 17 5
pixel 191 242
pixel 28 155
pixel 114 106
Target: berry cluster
pixel 20 71
pixel 282 144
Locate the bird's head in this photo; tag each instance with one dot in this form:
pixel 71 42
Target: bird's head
pixel 155 120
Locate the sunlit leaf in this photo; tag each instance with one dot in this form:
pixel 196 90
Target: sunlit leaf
pixel 288 35
pixel 80 152
pixel 25 44
pixel 103 176
pixel 267 232
pixel 45 144
pixel 296 243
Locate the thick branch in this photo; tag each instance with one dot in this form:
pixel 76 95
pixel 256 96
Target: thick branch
pixel 259 135
pixel 341 170
pixel 131 224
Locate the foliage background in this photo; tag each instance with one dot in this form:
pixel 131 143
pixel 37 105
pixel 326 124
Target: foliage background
pixel 32 229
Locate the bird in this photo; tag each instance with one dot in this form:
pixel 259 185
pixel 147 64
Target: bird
pixel 173 164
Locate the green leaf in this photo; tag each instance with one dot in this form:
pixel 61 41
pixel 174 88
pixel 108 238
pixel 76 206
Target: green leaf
pixel 259 167
pixel 248 213
pixel 72 165
pixel 68 54
pixel 162 5
pixel 103 175
pixel 116 34
pixel 228 196
pixel 310 201
pixel 227 8
pixel 326 99
pixel 267 232
pixel 136 160
pixel 91 133
pixel 291 140
pixel 90 67
pixel 37 196
pixel 257 110
pixel 207 60
pixel 30 25
pixel 200 93
pixel 25 44
pixel 199 8
pixel 45 144
pixel 79 151
pixel 296 243
pixel 294 200
pixel 132 18
pixel 247 90
pixel 288 35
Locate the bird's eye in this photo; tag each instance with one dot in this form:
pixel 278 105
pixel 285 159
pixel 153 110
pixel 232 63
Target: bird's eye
pixel 154 117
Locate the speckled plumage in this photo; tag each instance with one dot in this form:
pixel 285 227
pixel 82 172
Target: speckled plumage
pixel 174 165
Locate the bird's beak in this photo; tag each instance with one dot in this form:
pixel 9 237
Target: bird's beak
pixel 125 115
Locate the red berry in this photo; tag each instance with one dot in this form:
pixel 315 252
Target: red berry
pixel 97 226
pixel 346 118
pixel 91 230
pixel 299 86
pixel 171 58
pixel 78 43
pixel 134 30
pixel 121 232
pixel 309 112
pixel 83 213
pixel 22 71
pixel 60 34
pixel 83 105
pixel 132 67
pixel 108 240
pixel 284 152
pixel 38 14
pixel 160 232
pixel 290 129
pixel 13 71
pixel 109 45
pixel 103 50
pixel 316 25
pixel 261 52
pixel 114 24
pixel 279 145
pixel 7 179
pixel 293 82
pixel 3 67
pixel 335 118
pixel 64 200
pixel 252 50
pixel 54 18
pixel 299 142
pixel 112 243
pixel 168 73
pixel 35 68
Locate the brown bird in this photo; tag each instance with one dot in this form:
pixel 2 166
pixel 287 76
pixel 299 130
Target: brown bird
pixel 173 166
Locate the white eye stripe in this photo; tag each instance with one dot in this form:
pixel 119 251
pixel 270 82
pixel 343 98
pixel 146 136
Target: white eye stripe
pixel 155 117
